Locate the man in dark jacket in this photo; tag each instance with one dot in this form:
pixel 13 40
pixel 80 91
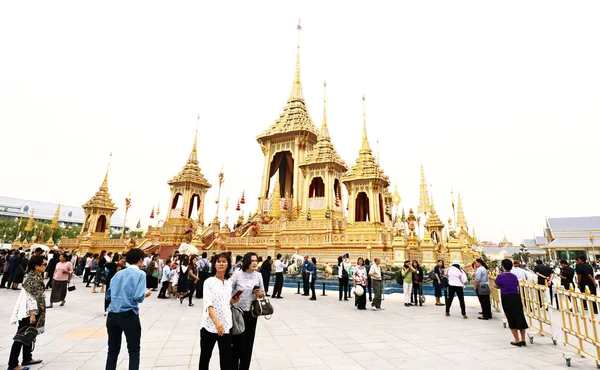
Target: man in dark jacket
pixel 265 271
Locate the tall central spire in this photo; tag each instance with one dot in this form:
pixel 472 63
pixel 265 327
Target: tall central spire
pixel 424 206
pixel 194 154
pixel 324 129
pixel 296 92
pixel 105 182
pixel 365 141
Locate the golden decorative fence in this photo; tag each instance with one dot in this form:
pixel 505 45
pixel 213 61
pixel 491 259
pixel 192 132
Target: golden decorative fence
pixel 580 323
pixel 535 308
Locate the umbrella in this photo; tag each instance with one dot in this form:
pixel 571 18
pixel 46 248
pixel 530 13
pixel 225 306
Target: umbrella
pixel 36 246
pixel 187 249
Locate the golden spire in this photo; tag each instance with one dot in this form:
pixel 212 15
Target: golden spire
pixel 276 207
pixel 29 226
pixel 423 194
pixel 433 219
pixel 191 170
pixel 105 182
pixel 462 221
pixel 194 154
pixel 324 130
pixel 366 166
pixel 296 92
pixel 54 223
pixel 324 151
pixel 102 197
pixel 365 140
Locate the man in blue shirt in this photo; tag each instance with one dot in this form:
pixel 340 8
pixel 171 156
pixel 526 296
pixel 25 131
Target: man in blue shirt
pixel 305 273
pixel 127 290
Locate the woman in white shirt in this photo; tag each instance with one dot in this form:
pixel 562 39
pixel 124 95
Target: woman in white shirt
pixel 343 275
pixel 457 279
pixel 216 318
pixel 250 283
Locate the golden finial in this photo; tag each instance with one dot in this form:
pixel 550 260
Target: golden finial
pixel 194 153
pixel 324 129
pixel 423 194
pixel 365 140
pixel 105 182
pixel 461 220
pixel 296 92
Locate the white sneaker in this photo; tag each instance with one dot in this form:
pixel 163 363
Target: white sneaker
pixel 374 308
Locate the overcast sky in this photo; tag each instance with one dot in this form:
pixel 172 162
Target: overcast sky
pixel 499 100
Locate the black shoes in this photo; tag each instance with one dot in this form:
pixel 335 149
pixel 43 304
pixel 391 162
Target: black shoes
pixel 312 299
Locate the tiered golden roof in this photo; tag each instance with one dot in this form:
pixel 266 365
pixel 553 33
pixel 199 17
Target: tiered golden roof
pixel 191 171
pixel 102 198
pixel 423 195
pixel 295 116
pixel 366 166
pixel 461 221
pixel 324 151
pixel 433 220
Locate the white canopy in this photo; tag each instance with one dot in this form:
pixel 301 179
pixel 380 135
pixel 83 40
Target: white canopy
pixel 43 246
pixel 188 249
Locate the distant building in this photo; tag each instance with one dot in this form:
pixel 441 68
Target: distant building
pixel 573 236
pixel 43 211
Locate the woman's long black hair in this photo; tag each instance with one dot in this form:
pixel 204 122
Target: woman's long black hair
pixel 480 261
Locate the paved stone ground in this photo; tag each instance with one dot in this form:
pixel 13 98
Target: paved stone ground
pixel 326 334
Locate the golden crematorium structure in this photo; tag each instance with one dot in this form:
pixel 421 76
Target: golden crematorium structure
pixel 301 207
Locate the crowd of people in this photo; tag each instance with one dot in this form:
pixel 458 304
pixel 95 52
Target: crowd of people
pixel 225 281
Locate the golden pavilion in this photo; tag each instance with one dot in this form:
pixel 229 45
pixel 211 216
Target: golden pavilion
pixel 300 208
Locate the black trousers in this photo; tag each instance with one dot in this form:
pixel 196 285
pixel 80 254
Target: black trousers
pixel 117 324
pixel 5 277
pixel 50 280
pixel 305 284
pixel 593 292
pixel 200 287
pixel 452 290
pixel 278 284
pixel 361 301
pixel 242 345
pixel 486 305
pixel 343 281
pixel 369 288
pixel 312 288
pixel 163 289
pixel 192 288
pixel 266 279
pixel 13 360
pixel 417 290
pixel 207 344
pixel 86 275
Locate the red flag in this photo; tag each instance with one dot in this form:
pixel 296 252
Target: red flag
pixel 299 28
pixel 152 213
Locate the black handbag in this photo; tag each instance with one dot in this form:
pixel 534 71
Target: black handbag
pixel 71 288
pixel 261 307
pixel 26 335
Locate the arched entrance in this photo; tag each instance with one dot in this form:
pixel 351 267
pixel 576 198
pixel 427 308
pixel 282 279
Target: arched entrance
pixel 283 162
pixel 317 188
pixel 101 224
pixel 194 207
pixel 361 209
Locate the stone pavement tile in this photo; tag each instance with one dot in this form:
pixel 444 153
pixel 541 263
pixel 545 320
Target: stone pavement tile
pixel 391 355
pixel 274 363
pixel 62 365
pixel 172 361
pixel 152 345
pixel 337 361
pixel 308 360
pixel 73 357
pixel 179 344
pixel 175 351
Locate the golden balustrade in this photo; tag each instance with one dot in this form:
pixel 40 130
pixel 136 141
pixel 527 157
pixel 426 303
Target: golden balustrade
pixel 580 323
pixel 535 308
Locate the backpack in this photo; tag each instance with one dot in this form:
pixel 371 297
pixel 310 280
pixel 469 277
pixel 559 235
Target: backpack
pixel 344 271
pixel 205 268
